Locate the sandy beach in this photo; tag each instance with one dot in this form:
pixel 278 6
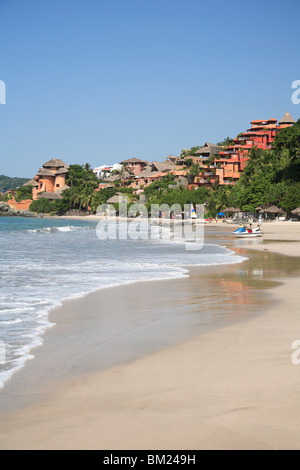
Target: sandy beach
pixel 235 387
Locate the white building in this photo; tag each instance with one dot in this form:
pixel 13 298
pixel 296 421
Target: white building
pixel 105 170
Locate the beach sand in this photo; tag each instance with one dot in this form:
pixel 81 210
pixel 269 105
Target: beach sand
pixel 234 387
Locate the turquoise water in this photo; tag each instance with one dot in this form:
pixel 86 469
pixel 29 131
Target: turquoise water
pixel 13 224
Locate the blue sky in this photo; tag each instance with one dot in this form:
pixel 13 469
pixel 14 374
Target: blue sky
pixel 102 81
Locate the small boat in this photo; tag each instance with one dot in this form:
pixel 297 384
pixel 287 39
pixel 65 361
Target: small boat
pixel 243 232
pixel 193 212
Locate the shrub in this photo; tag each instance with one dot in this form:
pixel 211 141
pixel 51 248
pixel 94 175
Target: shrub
pixel 42 206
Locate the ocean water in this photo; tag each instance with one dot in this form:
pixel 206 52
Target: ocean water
pixel 45 261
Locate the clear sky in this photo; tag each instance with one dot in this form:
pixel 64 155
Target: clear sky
pixel 102 81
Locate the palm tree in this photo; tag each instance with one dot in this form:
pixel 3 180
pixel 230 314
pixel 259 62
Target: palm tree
pixel 85 199
pixel 219 199
pixel 87 167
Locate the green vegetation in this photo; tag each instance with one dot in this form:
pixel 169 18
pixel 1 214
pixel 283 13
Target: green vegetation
pixel 189 152
pixel 24 192
pixel 81 195
pixel 83 182
pixel 6 182
pixel 160 192
pixel 43 206
pixel 225 142
pixel 194 171
pixel 270 177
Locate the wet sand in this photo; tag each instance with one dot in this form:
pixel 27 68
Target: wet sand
pixel 234 387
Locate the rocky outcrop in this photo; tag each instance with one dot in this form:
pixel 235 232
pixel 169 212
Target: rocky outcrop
pixel 7 211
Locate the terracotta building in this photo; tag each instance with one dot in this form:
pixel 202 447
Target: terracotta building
pixel 50 180
pixel 230 162
pixel 134 165
pixel 48 183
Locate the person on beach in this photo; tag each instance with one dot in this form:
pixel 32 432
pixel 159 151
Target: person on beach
pixel 259 222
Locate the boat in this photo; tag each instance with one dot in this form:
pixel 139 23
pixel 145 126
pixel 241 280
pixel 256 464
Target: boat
pixel 193 212
pixel 243 232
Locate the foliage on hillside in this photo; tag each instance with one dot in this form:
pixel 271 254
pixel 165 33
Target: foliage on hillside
pixel 43 206
pixel 270 177
pixel 6 182
pixel 24 192
pixel 81 195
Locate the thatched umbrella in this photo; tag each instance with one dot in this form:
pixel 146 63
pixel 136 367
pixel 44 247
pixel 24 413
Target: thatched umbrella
pixel 117 198
pixel 232 209
pixel 296 211
pixel 273 210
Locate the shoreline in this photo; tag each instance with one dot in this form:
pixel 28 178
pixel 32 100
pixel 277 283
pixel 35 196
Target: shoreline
pixel 126 290
pixel 119 390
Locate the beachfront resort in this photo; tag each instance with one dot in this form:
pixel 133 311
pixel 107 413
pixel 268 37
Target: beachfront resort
pixel 208 174
pixel 150 228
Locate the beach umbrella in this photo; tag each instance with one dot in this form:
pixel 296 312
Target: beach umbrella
pixel 274 210
pixel 296 211
pixel 221 213
pixel 232 209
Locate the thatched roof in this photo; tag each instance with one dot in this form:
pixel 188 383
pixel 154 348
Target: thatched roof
pixel 45 173
pixel 60 190
pixel 133 160
pixel 61 171
pixel 112 178
pixel 171 158
pixel 296 211
pixel 31 183
pixel 287 119
pixel 48 195
pixel 164 166
pixel 116 198
pixel 146 173
pixel 232 209
pixel 273 210
pixel 55 163
pixel 210 149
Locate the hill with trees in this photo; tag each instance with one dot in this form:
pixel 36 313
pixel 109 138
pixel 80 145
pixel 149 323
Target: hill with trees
pixel 271 177
pixel 6 182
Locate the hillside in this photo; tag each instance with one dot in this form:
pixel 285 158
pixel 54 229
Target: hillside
pixel 6 182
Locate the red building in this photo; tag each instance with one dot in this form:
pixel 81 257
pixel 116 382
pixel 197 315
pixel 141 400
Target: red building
pixel 230 162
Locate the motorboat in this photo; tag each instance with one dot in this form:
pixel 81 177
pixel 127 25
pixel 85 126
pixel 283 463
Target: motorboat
pixel 244 232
